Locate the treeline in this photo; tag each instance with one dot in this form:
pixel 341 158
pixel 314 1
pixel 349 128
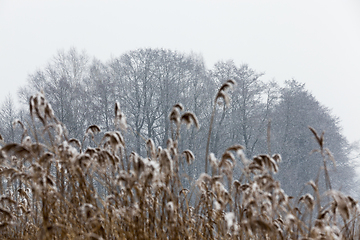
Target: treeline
pixel 262 116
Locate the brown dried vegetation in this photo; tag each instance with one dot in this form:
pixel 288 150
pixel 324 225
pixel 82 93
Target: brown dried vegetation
pixel 53 187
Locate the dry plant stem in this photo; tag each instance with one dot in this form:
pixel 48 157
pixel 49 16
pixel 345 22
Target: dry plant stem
pixel 320 141
pixel 327 177
pixel 268 137
pixel 209 137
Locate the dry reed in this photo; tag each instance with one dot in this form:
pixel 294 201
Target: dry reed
pixel 53 187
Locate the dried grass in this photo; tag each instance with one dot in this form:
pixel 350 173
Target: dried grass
pixel 53 187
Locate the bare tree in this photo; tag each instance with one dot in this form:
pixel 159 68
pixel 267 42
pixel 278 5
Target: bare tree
pixel 63 83
pixel 148 83
pixel 296 111
pixel 8 114
pixel 100 88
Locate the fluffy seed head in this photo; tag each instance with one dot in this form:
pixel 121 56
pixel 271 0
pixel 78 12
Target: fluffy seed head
pixel 227 85
pixel 179 106
pixel 115 139
pixel 214 163
pixel 189 156
pixel 308 199
pixel 151 147
pixel 120 119
pixel 188 118
pixel 175 115
pixel 230 219
pixel 93 129
pixel 224 96
pixel 166 163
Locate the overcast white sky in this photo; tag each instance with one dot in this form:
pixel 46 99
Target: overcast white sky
pixel 315 42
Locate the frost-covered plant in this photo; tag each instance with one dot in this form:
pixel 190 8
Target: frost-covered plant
pixel 53 187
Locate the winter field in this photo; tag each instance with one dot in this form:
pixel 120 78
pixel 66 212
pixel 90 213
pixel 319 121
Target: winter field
pixel 55 188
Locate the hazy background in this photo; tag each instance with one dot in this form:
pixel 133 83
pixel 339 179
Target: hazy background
pixel 315 42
